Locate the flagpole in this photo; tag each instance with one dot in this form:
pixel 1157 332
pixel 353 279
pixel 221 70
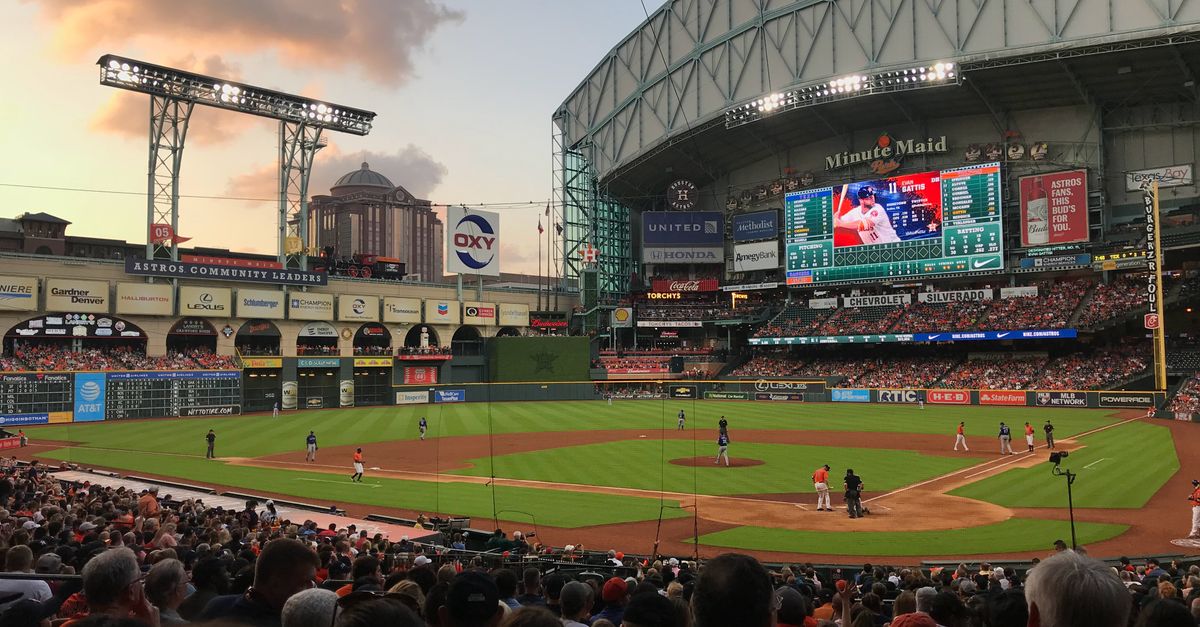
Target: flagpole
pixel 539 293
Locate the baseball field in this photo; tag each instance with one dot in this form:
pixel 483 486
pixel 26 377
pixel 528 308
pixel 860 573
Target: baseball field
pixel 622 475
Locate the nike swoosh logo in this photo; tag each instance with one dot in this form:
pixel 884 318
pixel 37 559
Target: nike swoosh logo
pixel 1000 335
pixel 934 337
pixel 981 264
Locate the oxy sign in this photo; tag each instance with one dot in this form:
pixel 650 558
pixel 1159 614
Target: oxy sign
pixel 472 241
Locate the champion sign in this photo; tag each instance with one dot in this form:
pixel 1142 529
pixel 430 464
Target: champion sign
pixel 473 242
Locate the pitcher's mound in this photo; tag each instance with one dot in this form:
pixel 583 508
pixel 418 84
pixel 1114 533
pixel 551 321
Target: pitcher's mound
pixel 735 462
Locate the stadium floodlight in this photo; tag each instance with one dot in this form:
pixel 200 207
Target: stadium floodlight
pixel 843 88
pixel 156 80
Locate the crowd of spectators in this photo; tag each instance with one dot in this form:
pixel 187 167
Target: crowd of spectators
pixel 1187 399
pixel 1095 370
pixel 1050 309
pixel 426 350
pixel 318 349
pixel 373 350
pixel 647 364
pixel 903 372
pixel 259 349
pixel 147 561
pixel 938 317
pixel 1114 300
pixel 57 357
pixel 861 321
pixel 995 372
pixel 770 363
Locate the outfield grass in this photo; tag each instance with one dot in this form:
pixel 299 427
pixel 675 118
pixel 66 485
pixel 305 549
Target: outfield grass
pixel 1011 536
pixel 548 507
pixel 644 464
pixel 1119 467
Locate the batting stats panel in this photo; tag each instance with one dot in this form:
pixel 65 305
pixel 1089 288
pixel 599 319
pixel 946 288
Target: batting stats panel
pixel 904 226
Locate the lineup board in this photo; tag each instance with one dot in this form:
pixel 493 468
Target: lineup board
pixel 154 394
pixel 35 393
pixel 921 224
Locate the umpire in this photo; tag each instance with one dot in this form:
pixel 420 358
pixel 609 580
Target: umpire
pixel 211 438
pixel 854 487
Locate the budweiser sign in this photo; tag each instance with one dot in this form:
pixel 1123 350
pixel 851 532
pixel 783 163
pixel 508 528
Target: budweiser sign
pixel 694 285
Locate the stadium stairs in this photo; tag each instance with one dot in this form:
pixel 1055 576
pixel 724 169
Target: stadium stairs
pixel 1083 304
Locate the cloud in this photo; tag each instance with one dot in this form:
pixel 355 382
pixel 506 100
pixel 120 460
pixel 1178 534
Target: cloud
pixel 378 37
pixel 410 167
pixel 126 113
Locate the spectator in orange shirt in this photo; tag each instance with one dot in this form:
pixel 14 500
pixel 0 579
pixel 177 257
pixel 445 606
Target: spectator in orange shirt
pixel 148 504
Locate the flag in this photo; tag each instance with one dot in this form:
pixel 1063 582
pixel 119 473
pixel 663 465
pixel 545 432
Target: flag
pixel 547 209
pixel 540 229
pixel 558 228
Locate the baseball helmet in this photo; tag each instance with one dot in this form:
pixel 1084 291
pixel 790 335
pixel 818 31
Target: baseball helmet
pixel 866 191
pixel 1195 481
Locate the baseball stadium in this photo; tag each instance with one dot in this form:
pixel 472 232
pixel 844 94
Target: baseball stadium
pixel 834 282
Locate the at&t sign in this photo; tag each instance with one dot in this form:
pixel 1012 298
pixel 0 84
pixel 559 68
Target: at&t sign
pixel 472 241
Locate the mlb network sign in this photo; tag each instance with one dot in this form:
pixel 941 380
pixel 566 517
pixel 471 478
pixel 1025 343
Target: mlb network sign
pixel 472 241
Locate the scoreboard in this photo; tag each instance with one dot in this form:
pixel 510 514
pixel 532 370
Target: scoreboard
pixel 30 398
pixel 904 226
pixel 184 393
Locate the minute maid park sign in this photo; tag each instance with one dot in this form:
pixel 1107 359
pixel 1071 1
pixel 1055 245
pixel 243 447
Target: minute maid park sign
pixel 887 153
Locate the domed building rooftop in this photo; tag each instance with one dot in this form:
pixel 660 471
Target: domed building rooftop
pixel 362 177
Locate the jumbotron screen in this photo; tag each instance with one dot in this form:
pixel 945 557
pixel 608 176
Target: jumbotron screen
pixel 904 226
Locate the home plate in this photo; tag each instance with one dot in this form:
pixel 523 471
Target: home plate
pixel 374 468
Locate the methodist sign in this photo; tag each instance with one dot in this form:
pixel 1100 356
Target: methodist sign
pixel 757 225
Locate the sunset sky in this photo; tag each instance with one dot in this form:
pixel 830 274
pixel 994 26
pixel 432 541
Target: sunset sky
pixel 463 90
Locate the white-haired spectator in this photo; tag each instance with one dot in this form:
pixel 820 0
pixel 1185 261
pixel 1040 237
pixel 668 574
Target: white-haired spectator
pixel 167 587
pixel 310 608
pixel 112 585
pixel 1070 590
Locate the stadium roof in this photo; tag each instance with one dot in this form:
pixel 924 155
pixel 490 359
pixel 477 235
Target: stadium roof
pixel 363 177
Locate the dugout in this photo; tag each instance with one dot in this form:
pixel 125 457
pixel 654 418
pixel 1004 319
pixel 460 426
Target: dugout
pixel 372 378
pixel 318 382
pixel 261 387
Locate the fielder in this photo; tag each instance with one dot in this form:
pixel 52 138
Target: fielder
pixel 275 410
pixel 1195 499
pixel 821 483
pixel 358 466
pixel 1005 440
pixel 1029 437
pixel 310 447
pixel 423 426
pixel 960 437
pixel 722 448
pixel 682 419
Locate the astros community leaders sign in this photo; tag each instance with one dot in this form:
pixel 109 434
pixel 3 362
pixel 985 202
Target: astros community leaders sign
pixel 180 269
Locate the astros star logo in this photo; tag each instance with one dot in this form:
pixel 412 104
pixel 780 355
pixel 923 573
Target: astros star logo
pixel 543 361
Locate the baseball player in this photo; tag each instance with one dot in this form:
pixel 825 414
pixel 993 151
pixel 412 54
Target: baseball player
pixel 723 426
pixel 961 437
pixel 358 466
pixel 1029 437
pixel 423 426
pixel 310 447
pixel 1151 412
pixel 275 410
pixel 821 483
pixel 722 448
pixel 872 222
pixel 1005 440
pixel 682 419
pixel 1049 429
pixel 1195 499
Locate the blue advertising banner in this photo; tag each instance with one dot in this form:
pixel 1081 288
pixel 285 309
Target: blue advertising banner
pixel 180 374
pixel 683 228
pixel 888 338
pixel 757 225
pixel 449 396
pixel 23 419
pixel 842 395
pixel 90 390
pixel 318 362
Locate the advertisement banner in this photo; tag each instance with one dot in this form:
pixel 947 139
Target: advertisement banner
pixel 823 303
pixel 1001 397
pixel 513 315
pixel 636 370
pixel 193 327
pixel 683 391
pixel 955 296
pixel 1126 399
pixel 757 256
pixel 900 396
pixel 843 395
pixel 358 308
pixel 950 397
pixel 310 306
pixel 1056 262
pixel 1030 291
pixel 264 362
pixel 449 396
pixel 727 396
pixel 778 396
pixel 75 325
pixel 184 270
pixel 879 300
pixel 210 302
pixel 622 318
pixel 412 398
pixel 407 310
pixel 230 261
pixel 683 236
pixel 442 311
pixel 1061 399
pixel 420 375
pixel 472 242
pixel 211 410
pixel 18 293
pixel 346 393
pixel 318 329
pixel 145 299
pixel 372 362
pixel 318 362
pixel 290 397
pixel 90 390
pixel 684 285
pixel 681 324
pixel 757 225
pixel 16 420
pixel 260 304
pixel 750 287
pixel 479 314
pixel 888 338
pixel 75 295
pixel 1054 208
pixel 762 385
pixel 1168 176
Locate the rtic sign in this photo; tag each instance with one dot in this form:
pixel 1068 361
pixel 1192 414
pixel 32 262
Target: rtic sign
pixel 698 285
pixel 473 242
pixel 951 397
pixel 899 396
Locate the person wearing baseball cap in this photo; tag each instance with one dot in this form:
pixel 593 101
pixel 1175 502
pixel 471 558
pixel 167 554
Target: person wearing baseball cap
pixel 472 601
pixel 615 594
pixel 1195 500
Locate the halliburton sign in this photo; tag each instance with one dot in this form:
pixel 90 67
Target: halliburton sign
pixel 951 397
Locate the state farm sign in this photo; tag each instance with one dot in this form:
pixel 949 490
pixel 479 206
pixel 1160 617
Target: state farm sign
pixel 949 397
pixel 1001 397
pixel 700 285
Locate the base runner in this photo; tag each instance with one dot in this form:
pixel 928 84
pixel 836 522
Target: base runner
pixel 358 466
pixel 821 483
pixel 1005 440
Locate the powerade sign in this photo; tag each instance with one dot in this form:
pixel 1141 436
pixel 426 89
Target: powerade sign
pixel 851 396
pixel 757 225
pixel 449 396
pixel 1126 399
pixel 90 390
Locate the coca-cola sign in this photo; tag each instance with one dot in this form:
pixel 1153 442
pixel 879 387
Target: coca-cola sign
pixel 685 285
